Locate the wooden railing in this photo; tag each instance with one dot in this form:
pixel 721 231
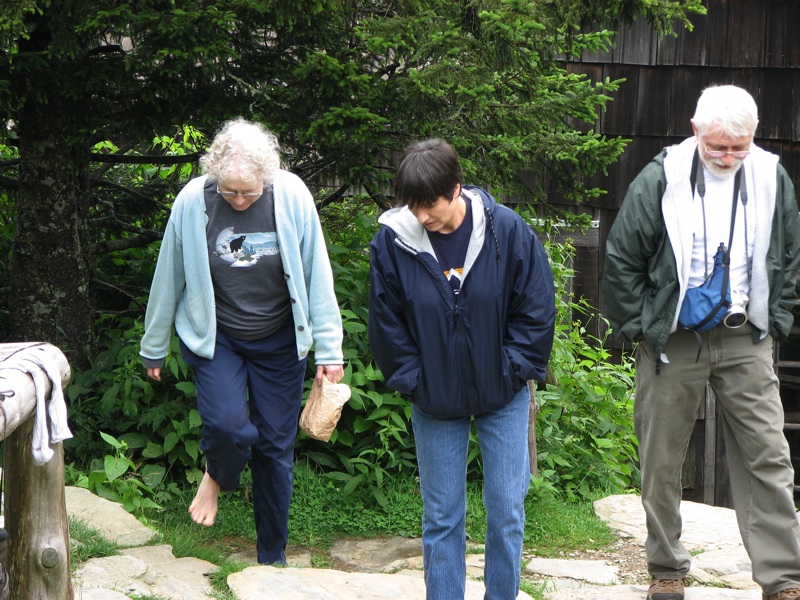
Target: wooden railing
pixel 35 509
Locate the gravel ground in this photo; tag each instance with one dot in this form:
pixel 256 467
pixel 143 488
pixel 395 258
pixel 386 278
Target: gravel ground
pixel 627 556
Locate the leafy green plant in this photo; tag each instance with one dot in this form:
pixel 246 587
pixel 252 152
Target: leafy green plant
pixel 115 478
pixel 585 423
pixel 158 422
pixel 372 441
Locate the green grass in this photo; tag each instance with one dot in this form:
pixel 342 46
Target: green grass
pixel 537 590
pixel 321 513
pixel 553 525
pixel 86 543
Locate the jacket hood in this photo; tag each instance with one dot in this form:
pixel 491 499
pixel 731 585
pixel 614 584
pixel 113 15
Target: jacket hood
pixel 412 236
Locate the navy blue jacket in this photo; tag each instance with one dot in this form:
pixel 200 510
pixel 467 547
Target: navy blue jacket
pixel 466 354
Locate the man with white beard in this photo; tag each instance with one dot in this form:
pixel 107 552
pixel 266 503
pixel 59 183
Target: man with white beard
pixel 716 201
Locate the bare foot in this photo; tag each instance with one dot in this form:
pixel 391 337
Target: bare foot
pixel 203 508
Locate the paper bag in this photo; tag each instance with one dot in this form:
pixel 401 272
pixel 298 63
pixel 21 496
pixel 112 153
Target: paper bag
pixel 323 409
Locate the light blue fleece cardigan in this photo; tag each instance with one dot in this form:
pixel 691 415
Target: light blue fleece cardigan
pixel 182 291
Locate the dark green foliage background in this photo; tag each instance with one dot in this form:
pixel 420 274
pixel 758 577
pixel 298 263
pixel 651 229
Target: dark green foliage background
pixel 584 429
pixel 107 104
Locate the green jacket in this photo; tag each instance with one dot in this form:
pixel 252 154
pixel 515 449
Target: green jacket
pixel 648 250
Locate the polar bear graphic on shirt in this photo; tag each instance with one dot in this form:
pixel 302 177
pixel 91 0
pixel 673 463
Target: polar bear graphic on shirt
pixel 244 249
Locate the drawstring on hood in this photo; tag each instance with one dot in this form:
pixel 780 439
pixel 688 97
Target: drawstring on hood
pixel 490 221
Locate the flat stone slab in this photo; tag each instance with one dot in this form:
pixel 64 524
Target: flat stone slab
pixel 476 564
pixel 379 555
pixel 730 567
pixel 99 594
pixel 124 574
pixel 112 521
pixel 191 571
pixel 258 583
pixel 591 571
pixel 705 527
pixel 146 571
pixel 711 533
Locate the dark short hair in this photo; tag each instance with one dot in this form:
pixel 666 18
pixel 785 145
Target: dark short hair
pixel 427 170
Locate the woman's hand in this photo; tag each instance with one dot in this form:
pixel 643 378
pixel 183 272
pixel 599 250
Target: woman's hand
pixel 334 373
pixel 154 373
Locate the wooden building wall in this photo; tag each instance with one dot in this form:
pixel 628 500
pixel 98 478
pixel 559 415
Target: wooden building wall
pixel 752 44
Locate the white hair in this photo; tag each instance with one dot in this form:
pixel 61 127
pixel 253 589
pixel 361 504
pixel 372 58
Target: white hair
pixel 730 108
pixel 242 150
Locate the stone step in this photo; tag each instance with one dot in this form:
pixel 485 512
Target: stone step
pixel 391 567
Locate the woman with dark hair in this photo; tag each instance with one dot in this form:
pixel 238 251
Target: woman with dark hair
pixel 461 317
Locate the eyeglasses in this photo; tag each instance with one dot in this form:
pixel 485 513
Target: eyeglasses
pixel 232 195
pixel 723 153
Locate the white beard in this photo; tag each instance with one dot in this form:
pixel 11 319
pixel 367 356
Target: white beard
pixel 722 173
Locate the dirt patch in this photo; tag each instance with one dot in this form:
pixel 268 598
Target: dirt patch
pixel 629 558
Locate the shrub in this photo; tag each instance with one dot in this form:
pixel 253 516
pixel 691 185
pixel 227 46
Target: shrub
pixel 585 422
pixel 584 427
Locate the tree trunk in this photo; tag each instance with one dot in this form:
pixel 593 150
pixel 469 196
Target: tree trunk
pixel 51 263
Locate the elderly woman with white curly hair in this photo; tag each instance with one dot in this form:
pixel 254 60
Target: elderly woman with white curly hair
pixel 243 274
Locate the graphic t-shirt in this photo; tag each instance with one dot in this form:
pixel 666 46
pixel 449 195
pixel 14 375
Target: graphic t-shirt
pixel 451 249
pixel 252 298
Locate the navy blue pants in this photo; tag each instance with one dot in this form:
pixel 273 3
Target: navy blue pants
pixel 249 397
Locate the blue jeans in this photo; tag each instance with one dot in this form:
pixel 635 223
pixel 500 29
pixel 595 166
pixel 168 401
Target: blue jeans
pixel 442 457
pixel 249 398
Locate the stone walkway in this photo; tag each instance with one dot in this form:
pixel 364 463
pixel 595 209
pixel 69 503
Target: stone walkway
pixel 391 568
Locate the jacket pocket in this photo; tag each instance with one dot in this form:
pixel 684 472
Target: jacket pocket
pixel 406 380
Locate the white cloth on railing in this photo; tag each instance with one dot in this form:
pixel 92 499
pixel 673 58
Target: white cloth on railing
pixel 50 415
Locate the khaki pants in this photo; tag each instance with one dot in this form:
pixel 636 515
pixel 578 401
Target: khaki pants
pixel 742 377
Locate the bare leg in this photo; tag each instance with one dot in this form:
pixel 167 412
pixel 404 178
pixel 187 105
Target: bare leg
pixel 203 508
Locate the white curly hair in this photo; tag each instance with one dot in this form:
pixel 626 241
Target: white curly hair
pixel 242 150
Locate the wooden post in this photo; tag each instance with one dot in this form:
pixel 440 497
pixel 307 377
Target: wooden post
pixel 36 514
pixel 532 412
